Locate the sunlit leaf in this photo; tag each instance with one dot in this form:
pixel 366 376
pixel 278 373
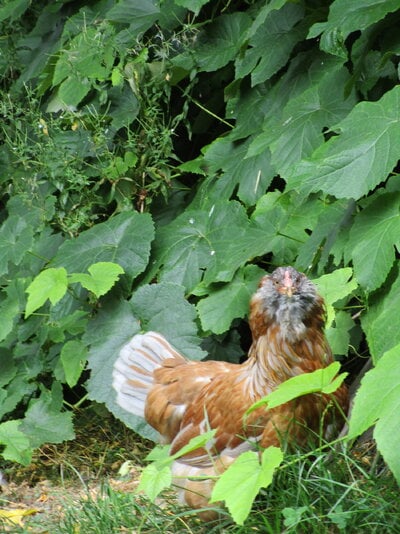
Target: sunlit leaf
pixel 102 276
pixel 320 381
pixel 239 485
pixel 50 284
pixel 154 479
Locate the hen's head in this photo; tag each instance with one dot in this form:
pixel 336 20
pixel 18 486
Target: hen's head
pixel 289 300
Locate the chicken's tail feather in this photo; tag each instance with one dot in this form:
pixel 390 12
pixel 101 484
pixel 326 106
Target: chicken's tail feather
pixel 134 368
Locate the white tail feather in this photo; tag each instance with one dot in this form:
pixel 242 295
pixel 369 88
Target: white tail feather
pixel 134 367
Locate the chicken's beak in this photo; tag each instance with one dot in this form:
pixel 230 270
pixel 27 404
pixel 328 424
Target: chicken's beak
pixel 287 287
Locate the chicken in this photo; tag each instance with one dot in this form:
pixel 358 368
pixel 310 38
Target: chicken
pixel 182 398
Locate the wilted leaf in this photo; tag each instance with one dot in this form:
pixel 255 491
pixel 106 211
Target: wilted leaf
pixel 377 402
pixel 15 516
pixel 239 485
pixel 50 284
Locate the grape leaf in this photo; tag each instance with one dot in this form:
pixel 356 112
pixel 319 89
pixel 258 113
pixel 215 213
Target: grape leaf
pixel 353 162
pixel 154 479
pixel 224 304
pixel 377 402
pixel 123 239
pixel 50 284
pixel 17 446
pixel 373 235
pixel 102 276
pixel 239 485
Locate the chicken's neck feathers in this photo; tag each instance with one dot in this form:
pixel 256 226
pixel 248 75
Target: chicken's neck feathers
pixel 275 357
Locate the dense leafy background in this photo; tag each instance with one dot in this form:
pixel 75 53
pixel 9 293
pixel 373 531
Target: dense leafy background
pixel 196 145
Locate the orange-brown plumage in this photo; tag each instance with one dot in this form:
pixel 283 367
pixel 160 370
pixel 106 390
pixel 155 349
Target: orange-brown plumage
pixel 182 398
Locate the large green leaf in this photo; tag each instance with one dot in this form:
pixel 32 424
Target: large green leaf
pixel 318 247
pixel 124 239
pixel 16 238
pixel 305 117
pixel 323 380
pixel 224 304
pixel 374 235
pixel 139 15
pixel 162 307
pixel 251 175
pixel 209 245
pixel 193 5
pixel 356 160
pixel 44 422
pixel 271 44
pixel 377 402
pixel 381 320
pixel 335 286
pixel 159 307
pixel 242 481
pixel 224 35
pixel 13 9
pixel 347 17
pixel 17 445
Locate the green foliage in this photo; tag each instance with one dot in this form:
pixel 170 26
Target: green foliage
pixel 157 158
pixel 377 402
pixel 240 484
